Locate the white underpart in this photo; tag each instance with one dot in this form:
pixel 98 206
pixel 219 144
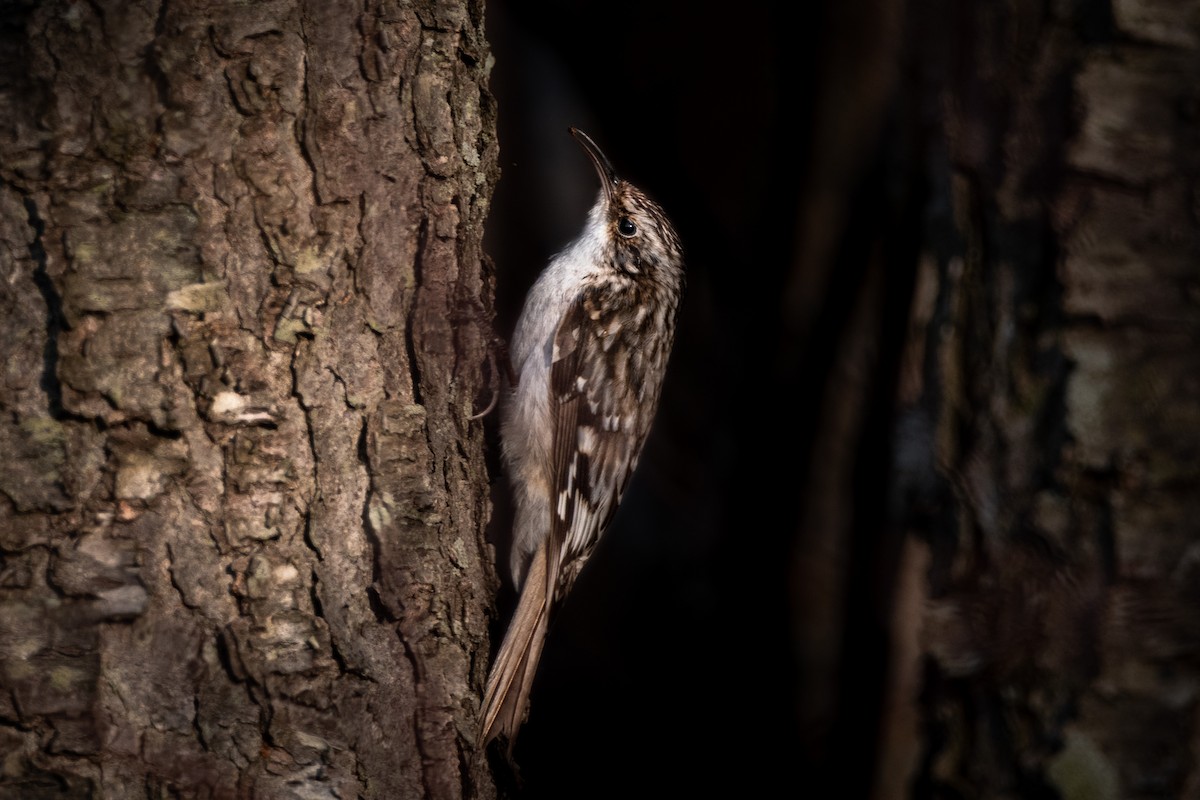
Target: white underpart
pixel 527 428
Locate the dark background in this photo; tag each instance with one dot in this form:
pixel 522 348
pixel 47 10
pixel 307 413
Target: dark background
pixel 679 664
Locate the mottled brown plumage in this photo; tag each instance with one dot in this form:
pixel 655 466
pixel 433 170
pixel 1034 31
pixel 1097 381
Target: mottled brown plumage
pixel 590 352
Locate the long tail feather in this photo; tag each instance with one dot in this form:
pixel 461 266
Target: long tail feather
pixel 506 699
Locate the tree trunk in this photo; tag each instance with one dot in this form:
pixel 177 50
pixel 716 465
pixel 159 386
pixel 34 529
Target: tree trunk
pixel 1053 380
pixel 246 322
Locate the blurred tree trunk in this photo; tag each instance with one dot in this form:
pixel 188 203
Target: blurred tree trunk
pixel 245 318
pixel 1048 447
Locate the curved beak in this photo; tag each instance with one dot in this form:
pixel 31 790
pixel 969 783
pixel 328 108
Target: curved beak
pixel 608 178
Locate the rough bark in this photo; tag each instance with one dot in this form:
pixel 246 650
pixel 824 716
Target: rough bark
pixel 245 324
pixel 1052 420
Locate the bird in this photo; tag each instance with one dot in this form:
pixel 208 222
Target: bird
pixel 589 355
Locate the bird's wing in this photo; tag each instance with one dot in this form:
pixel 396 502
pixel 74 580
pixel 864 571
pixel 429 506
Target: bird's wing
pixel 593 453
pixel 594 446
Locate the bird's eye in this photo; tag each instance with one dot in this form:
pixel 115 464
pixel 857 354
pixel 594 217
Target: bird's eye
pixel 626 227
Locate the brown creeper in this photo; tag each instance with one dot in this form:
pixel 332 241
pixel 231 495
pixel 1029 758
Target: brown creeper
pixel 590 351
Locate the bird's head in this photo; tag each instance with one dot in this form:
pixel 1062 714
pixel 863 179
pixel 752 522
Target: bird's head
pixel 636 234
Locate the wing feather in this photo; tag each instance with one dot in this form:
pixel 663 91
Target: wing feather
pixel 593 444
pixel 568 385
